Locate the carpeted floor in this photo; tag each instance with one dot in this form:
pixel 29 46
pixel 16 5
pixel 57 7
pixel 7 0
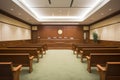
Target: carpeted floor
pixel 59 65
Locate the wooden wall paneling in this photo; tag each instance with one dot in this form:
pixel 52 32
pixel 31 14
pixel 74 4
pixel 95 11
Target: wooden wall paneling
pixel 34 36
pixel 49 35
pixel 13 43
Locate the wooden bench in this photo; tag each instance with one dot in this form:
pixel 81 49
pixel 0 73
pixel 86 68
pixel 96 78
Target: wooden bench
pixel 8 72
pixel 109 72
pixel 44 47
pixel 41 48
pixel 86 51
pixel 31 51
pixel 18 58
pixel 101 58
pixel 79 49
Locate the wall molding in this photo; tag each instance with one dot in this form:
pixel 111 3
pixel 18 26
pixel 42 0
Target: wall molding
pixel 14 25
pixel 11 16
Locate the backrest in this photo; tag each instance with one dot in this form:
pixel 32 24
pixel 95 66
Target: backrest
pixel 16 58
pixel 102 58
pixel 31 51
pixel 6 71
pixel 87 51
pixel 113 71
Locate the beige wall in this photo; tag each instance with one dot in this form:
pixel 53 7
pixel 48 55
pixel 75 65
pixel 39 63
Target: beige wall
pixel 9 20
pixel 108 29
pixel 11 29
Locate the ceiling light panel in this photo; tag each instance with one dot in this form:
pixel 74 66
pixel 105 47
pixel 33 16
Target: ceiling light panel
pixel 44 11
pixel 37 3
pixel 78 11
pixel 45 3
pixel 60 9
pixel 52 11
pixel 60 3
pixel 85 3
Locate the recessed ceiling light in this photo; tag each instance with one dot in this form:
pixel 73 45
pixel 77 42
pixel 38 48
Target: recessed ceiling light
pixel 110 9
pixel 11 9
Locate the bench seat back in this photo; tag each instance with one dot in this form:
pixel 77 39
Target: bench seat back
pixel 112 71
pixel 16 59
pixel 31 51
pixel 87 51
pixel 6 71
pixel 102 58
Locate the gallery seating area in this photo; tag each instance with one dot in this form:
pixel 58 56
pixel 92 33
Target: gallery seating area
pixel 59 40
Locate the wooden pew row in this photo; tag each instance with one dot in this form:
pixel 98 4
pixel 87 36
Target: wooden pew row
pixel 111 71
pixel 80 48
pixel 86 51
pixel 8 71
pixel 44 46
pixel 31 51
pixel 39 48
pixel 18 58
pixel 75 46
pixel 101 58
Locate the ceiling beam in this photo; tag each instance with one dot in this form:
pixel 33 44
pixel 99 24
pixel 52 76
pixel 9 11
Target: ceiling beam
pixel 49 2
pixel 71 3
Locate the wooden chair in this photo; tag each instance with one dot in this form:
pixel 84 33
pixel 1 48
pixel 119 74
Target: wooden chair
pixel 110 72
pixel 8 72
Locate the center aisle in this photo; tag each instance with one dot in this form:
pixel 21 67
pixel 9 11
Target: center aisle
pixel 59 65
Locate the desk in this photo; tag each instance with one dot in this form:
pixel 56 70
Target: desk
pixel 59 43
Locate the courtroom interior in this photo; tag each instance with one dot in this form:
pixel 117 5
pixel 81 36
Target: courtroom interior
pixel 59 39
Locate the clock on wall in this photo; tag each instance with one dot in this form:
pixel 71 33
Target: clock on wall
pixel 60 31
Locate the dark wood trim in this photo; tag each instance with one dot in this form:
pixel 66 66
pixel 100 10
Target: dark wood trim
pixel 11 16
pixel 107 17
pixel 71 3
pixel 49 2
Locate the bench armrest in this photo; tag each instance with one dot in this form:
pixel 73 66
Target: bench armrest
pixel 17 68
pixel 81 51
pixel 31 57
pixel 101 68
pixel 16 72
pixel 88 57
pixel 102 71
pixel 30 65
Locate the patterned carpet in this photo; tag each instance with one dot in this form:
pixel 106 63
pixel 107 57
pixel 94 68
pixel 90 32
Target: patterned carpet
pixel 59 65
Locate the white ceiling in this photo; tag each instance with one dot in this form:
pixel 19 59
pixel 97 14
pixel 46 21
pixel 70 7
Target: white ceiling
pixel 58 11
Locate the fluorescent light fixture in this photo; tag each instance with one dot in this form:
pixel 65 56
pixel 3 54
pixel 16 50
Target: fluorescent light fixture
pixel 24 5
pixel 60 23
